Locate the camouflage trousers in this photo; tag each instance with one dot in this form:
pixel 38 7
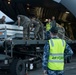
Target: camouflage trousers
pixel 38 33
pixel 52 72
pixel 26 31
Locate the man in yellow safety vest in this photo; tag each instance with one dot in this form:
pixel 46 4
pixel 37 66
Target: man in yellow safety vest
pixel 53 56
pixel 48 27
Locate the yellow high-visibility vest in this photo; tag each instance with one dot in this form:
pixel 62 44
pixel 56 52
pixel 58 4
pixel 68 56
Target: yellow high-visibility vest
pixel 48 26
pixel 56 55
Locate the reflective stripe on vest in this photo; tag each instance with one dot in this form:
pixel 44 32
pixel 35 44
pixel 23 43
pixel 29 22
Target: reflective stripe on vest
pixel 56 54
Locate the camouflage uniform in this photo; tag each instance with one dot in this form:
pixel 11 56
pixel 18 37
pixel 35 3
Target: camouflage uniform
pixel 41 29
pixel 53 23
pixel 25 22
pixel 38 31
pixel 61 32
pixel 67 51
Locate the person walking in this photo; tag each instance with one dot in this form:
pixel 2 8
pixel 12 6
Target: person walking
pixel 25 22
pixel 53 56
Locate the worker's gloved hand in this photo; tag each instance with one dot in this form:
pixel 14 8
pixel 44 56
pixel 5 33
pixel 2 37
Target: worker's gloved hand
pixel 45 72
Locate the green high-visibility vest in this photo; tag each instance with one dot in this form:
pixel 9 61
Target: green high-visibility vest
pixel 48 26
pixel 56 54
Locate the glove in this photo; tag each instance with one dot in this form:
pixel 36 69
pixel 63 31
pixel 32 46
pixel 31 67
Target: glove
pixel 44 72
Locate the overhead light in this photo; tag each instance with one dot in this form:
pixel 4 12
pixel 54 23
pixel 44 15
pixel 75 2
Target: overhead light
pixel 9 3
pixel 69 23
pixel 67 12
pixel 28 8
pixel 28 4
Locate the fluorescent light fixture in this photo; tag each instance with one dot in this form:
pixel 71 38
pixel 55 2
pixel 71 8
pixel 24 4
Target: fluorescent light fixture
pixel 67 12
pixel 9 3
pixel 28 8
pixel 8 19
pixel 69 23
pixel 58 1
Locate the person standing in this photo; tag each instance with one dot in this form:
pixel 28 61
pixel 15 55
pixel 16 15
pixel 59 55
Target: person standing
pixel 61 32
pixel 25 22
pixel 48 27
pixel 41 30
pixel 2 20
pixel 53 22
pixel 53 56
pixel 38 28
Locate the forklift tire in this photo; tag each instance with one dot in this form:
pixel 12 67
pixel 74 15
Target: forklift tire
pixel 17 67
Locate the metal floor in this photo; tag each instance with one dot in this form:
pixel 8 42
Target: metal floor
pixel 70 69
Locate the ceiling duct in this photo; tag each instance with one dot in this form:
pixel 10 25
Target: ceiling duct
pixel 70 5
